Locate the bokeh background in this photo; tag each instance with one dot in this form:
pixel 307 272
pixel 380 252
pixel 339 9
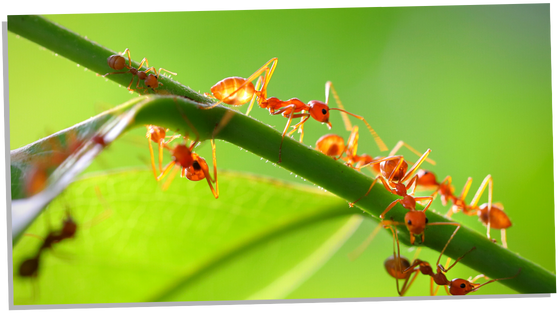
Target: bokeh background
pixel 472 83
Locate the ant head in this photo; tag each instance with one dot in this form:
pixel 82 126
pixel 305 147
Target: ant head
pixel 319 111
pixel 151 81
pixel 183 156
pixel 461 287
pixel 416 222
pixel 116 62
pixel 331 145
pixel 198 170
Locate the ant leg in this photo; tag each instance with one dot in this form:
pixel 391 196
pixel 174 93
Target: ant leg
pixel 504 243
pixel 351 204
pixel 480 190
pixel 487 181
pixel 170 178
pixel 142 63
pixel 165 170
pixel 257 87
pixel 430 200
pixel 127 51
pixel 416 165
pixel 389 207
pixel 281 111
pixel 329 87
pixel 448 241
pixel 402 143
pixel 153 159
pixel 159 71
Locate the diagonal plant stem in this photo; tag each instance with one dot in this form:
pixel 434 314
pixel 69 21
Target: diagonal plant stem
pixel 246 132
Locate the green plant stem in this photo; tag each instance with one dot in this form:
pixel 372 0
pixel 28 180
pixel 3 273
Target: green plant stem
pixel 246 132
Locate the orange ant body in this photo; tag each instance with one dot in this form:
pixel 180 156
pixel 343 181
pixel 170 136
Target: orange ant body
pixel 333 145
pixel 237 91
pixel 492 215
pixel 117 62
pixel 191 165
pixel 394 176
pixel 400 268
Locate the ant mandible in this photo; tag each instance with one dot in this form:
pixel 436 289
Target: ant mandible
pixel 118 62
pixel 238 91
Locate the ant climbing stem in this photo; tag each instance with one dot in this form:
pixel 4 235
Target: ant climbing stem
pixel 394 179
pixel 396 265
pixel 237 91
pixel 118 62
pixel 191 165
pixel 491 214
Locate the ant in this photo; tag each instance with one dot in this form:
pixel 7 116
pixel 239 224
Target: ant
pixel 237 91
pixel 490 214
pixel 30 267
pixel 400 268
pixel 394 176
pixel 191 165
pixel 118 62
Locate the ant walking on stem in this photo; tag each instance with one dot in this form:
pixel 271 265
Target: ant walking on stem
pixel 394 176
pixel 237 91
pixel 400 268
pixel 490 214
pixel 117 62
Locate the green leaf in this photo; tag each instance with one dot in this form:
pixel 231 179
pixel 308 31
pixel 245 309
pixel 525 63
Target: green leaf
pixel 260 240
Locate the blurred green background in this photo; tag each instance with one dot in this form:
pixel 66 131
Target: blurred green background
pixel 472 83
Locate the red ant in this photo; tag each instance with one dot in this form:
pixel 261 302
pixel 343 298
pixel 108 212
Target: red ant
pixel 192 166
pixel 490 214
pixel 118 62
pixel 237 91
pixel 400 268
pixel 393 176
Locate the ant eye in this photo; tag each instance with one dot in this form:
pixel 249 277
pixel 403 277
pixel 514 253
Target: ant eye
pixel 463 285
pixel 324 111
pixel 426 220
pixel 409 222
